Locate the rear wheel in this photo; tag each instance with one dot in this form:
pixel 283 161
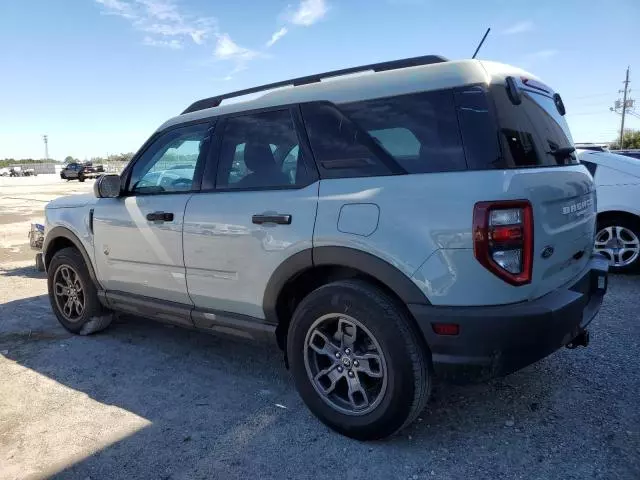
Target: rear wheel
pixel 618 239
pixel 81 177
pixel 73 295
pixel 357 361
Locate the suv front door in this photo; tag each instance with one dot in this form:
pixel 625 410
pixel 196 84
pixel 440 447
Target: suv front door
pixel 259 210
pixel 138 236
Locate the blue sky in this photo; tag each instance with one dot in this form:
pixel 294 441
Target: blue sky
pixel 98 76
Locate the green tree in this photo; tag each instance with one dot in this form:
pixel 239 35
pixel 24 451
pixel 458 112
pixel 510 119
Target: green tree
pixel 630 139
pixel 69 159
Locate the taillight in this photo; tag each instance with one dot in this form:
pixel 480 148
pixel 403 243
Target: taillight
pixel 503 239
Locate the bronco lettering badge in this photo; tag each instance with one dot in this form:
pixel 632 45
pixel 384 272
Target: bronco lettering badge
pixel 577 207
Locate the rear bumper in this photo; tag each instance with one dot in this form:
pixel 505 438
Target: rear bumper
pixel 498 340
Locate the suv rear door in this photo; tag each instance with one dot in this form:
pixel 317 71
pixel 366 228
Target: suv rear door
pixel 257 208
pixel 537 150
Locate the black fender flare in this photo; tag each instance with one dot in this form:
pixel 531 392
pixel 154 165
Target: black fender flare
pixel 369 264
pixel 63 232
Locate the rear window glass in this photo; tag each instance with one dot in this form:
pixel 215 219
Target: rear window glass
pixel 420 131
pixel 532 131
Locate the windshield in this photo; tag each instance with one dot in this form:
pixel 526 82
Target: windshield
pixel 533 133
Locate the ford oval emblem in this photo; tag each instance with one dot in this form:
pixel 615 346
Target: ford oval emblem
pixel 547 252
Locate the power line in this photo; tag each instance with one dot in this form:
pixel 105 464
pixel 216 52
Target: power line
pixel 571 114
pixel 591 96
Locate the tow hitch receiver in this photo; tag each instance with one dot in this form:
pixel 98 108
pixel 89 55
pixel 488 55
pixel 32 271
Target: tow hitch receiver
pixel 581 340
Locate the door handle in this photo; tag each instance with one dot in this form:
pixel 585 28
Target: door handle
pixel 160 217
pixel 279 218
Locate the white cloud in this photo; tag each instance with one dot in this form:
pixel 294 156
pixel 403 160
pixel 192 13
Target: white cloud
pixel 277 36
pixel 162 10
pixel 227 49
pixel 117 7
pixel 171 44
pixel 308 12
pixel 530 60
pixel 544 54
pixel 520 27
pixel 162 19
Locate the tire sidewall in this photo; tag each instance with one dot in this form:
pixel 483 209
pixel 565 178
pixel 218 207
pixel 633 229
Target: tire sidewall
pixel 92 308
pixel 395 406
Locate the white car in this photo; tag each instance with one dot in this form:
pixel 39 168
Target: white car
pixel 617 179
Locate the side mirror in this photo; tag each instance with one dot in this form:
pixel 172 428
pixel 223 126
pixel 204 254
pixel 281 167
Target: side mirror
pixel 107 186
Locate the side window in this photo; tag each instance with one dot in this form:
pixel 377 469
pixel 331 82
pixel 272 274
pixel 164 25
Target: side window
pixel 420 131
pixel 169 164
pixel 260 150
pixel 339 146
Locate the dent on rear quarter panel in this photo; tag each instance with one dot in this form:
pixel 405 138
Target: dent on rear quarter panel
pixel 418 214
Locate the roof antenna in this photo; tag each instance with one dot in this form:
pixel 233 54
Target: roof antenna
pixel 481 42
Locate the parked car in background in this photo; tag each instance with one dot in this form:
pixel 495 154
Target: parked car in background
pixel 79 171
pixel 634 153
pixel 596 147
pixel 15 172
pixel 4 172
pixel 617 179
pixel 29 172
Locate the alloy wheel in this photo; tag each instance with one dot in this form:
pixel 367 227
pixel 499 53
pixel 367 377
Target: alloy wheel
pixel 619 244
pixel 345 364
pixel 68 293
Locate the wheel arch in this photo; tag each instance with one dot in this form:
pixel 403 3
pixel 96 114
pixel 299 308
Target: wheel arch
pixel 309 269
pixel 61 237
pixel 632 217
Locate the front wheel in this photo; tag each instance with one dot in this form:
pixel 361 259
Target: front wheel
pixel 618 239
pixel 357 360
pixel 73 295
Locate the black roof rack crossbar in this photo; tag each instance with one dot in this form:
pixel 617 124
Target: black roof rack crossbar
pixel 376 67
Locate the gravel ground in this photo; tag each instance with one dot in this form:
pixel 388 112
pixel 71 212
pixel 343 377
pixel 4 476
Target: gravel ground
pixel 143 400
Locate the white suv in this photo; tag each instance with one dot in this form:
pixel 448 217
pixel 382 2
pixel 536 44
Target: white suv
pixel 617 179
pixel 428 218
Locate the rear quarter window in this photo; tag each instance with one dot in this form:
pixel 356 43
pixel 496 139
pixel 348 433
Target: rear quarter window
pixel 420 131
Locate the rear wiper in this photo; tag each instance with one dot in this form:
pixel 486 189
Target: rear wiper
pixel 561 154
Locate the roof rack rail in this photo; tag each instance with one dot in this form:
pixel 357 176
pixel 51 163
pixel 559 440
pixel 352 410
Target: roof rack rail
pixel 376 67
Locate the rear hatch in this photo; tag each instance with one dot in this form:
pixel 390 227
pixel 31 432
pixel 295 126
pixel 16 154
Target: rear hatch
pixel 535 140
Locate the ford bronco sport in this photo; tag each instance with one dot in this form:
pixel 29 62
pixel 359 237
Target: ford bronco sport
pixel 426 219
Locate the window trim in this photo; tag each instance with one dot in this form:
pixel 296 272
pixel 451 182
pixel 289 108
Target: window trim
pixel 209 178
pixel 125 176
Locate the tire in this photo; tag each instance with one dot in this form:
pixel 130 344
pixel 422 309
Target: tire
pixel 92 317
pixel 81 178
pixel 615 232
pixel 394 399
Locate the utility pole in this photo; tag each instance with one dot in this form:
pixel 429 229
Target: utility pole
pixel 624 107
pixel 46 146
